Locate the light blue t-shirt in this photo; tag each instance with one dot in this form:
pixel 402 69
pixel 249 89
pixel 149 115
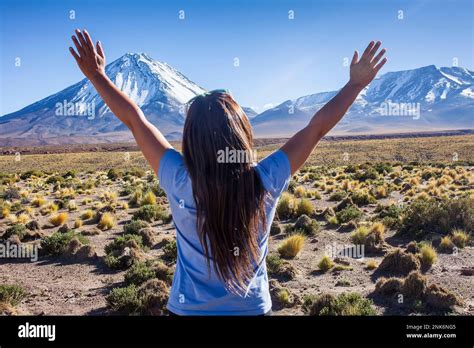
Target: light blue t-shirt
pixel 195 290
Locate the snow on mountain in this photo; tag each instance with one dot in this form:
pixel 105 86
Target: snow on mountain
pixel 427 98
pixel 441 98
pixel 78 114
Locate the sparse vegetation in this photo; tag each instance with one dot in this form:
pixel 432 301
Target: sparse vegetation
pixel 290 247
pixel 343 304
pixel 325 264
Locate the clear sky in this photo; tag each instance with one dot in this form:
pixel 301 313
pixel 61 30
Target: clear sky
pixel 279 58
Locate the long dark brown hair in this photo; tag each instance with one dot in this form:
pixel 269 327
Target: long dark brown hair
pixel 227 190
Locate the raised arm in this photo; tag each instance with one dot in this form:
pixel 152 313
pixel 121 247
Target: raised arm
pixel 91 60
pixel 362 72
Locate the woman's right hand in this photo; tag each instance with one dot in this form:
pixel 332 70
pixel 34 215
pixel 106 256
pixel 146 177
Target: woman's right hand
pixel 89 58
pixel 363 71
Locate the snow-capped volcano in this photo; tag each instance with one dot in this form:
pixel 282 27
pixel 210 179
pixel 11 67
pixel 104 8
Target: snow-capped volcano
pixel 423 99
pixel 146 81
pixel 78 114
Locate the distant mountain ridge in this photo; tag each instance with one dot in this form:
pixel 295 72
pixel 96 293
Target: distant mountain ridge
pixel 439 98
pixel 444 98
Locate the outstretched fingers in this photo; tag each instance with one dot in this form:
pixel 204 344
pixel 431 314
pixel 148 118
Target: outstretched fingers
pixel 78 45
pixel 89 42
pixel 380 65
pixel 75 55
pixel 100 50
pixel 83 41
pixel 374 50
pixel 365 55
pixel 378 57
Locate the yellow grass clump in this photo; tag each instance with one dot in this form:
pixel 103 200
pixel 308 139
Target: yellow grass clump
pixel 300 191
pixel 359 235
pixel 107 221
pixel 87 214
pixel 325 264
pixel 428 255
pixel 23 218
pixel 58 219
pixel 291 246
pixel 305 207
pixel 371 264
pixel 149 198
pixel 78 223
pixel 378 229
pixel 38 201
pixel 460 238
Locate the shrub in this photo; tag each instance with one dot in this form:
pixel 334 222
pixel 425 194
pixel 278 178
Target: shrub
pixel 388 286
pixel 399 262
pixel 286 206
pixel 342 305
pixel 12 294
pixel 290 247
pixel 414 285
pixel 364 175
pixel 325 264
pixel 17 229
pixel 138 172
pixel 300 191
pixel 38 201
pixel 149 198
pixel 427 216
pixel 149 213
pixel 107 221
pixel 125 300
pixel 378 229
pixel 139 273
pixel 58 219
pixel 134 226
pixel 118 244
pixel 57 243
pixel 350 213
pixel 383 168
pixel 440 298
pixel 428 255
pixel 446 244
pixel 332 220
pixel 78 223
pixel 283 296
pixel 371 264
pixel 306 225
pixel 361 198
pixel 304 207
pixel 170 251
pixel 337 196
pixel 460 238
pixel 87 214
pixel 359 235
pixel 136 197
pixel 114 174
pixel 275 228
pixel 274 263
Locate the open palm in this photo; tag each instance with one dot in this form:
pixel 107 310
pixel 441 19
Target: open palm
pixel 89 58
pixel 363 71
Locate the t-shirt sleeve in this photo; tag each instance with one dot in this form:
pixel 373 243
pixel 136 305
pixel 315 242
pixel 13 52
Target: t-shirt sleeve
pixel 275 172
pixel 171 170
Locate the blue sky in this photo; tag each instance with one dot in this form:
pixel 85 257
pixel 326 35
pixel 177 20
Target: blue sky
pixel 279 58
